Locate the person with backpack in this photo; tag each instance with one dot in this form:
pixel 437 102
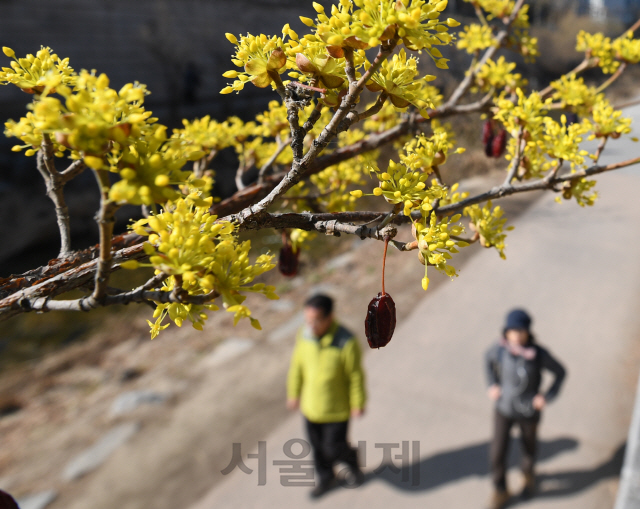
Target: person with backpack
pixel 514 369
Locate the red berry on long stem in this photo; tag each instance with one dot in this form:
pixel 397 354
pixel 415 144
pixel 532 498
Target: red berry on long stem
pixel 381 314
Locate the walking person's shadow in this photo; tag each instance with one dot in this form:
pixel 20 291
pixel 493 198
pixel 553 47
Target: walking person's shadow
pixel 473 460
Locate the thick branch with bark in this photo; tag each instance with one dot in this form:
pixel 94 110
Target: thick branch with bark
pixel 249 207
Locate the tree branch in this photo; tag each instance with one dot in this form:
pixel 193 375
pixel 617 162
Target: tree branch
pixel 55 191
pixel 239 201
pixel 300 166
pixel 328 223
pixel 106 221
pixel 541 184
pixel 266 166
pixel 515 163
pixel 45 304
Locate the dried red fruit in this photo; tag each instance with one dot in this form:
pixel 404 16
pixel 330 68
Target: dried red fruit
pixel 381 313
pixel 487 132
pixel 488 147
pixel 381 320
pixel 288 260
pixel 499 143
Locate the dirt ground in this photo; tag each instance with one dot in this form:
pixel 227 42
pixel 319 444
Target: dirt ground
pixel 185 443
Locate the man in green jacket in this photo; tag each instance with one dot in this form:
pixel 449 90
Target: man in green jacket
pixel 326 381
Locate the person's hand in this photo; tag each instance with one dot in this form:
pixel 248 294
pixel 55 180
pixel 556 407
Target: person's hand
pixel 357 412
pixel 494 392
pixel 539 402
pixel 293 404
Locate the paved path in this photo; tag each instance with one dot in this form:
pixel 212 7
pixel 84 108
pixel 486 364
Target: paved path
pixel 578 272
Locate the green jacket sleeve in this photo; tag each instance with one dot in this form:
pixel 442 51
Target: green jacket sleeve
pixel 294 378
pixel 355 374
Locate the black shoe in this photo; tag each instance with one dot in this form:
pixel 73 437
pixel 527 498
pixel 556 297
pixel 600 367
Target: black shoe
pixel 321 489
pixel 353 478
pixel 529 487
pixel 499 499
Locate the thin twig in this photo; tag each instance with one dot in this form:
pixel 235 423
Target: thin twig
pixel 55 191
pixel 600 149
pixel 266 166
pixel 73 170
pixel 613 77
pixel 541 184
pixel 353 116
pixel 106 221
pixel 515 162
pixel 313 118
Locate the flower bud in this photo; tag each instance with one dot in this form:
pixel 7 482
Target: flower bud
pixel 307 21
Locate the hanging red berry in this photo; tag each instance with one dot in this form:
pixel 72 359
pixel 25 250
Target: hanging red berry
pixel 288 259
pixel 381 314
pixel 487 132
pixel 381 320
pixel 499 143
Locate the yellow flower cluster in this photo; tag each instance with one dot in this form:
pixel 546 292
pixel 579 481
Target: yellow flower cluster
pixel 261 57
pixel 149 167
pixel 626 48
pixel 355 25
pixel 547 142
pixel 423 153
pixel 454 196
pixel 207 135
pixel 609 54
pixel 34 73
pixel 502 9
pixel 523 43
pixel 573 93
pixel 397 77
pixel 435 243
pixel 526 112
pixel 92 117
pixel 362 24
pixel 579 189
pixel 499 75
pixel 310 57
pixel 201 255
pixel 563 142
pixel 475 38
pixel 489 224
pixel 401 185
pixel 607 121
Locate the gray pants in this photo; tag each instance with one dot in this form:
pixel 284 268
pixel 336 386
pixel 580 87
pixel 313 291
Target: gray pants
pixel 500 446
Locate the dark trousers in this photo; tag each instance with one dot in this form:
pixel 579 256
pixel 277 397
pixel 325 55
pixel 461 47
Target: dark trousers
pixel 500 446
pixel 329 444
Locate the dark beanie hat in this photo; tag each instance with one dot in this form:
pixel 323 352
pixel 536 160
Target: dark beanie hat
pixel 518 319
